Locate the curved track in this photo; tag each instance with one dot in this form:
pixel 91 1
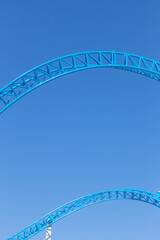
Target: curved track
pixel 73 63
pixel 83 202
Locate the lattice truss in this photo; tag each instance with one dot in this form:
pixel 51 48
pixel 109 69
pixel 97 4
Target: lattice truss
pixel 72 63
pixel 83 202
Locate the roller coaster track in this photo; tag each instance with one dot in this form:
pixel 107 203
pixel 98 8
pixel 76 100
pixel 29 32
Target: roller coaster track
pixel 73 63
pixel 83 202
pixel 57 68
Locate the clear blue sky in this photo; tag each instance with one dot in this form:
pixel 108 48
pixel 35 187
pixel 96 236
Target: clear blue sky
pixel 86 132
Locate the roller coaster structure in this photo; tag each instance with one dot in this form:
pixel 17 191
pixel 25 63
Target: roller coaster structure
pixel 60 67
pixel 83 202
pixel 73 63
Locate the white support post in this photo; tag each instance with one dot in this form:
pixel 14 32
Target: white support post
pixel 48 233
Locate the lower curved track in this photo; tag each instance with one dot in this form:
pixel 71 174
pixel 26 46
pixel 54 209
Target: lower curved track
pixel 73 63
pixel 83 202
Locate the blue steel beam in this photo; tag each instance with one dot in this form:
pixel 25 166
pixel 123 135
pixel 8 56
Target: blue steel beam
pixel 73 63
pixel 83 202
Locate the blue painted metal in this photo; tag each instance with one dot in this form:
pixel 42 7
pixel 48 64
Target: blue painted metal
pixel 73 63
pixel 83 202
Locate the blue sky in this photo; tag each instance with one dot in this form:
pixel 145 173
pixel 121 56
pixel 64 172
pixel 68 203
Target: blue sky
pixel 89 131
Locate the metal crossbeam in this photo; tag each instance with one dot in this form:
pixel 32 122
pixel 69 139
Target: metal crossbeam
pixel 72 63
pixel 83 202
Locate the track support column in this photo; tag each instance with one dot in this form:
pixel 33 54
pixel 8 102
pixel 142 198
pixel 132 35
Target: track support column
pixel 48 233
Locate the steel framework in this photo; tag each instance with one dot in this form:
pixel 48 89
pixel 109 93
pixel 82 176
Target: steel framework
pixel 83 202
pixel 72 63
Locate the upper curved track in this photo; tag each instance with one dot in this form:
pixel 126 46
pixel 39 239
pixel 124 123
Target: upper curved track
pixel 83 202
pixel 72 63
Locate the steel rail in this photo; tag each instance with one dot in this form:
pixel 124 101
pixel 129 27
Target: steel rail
pixel 58 67
pixel 83 202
